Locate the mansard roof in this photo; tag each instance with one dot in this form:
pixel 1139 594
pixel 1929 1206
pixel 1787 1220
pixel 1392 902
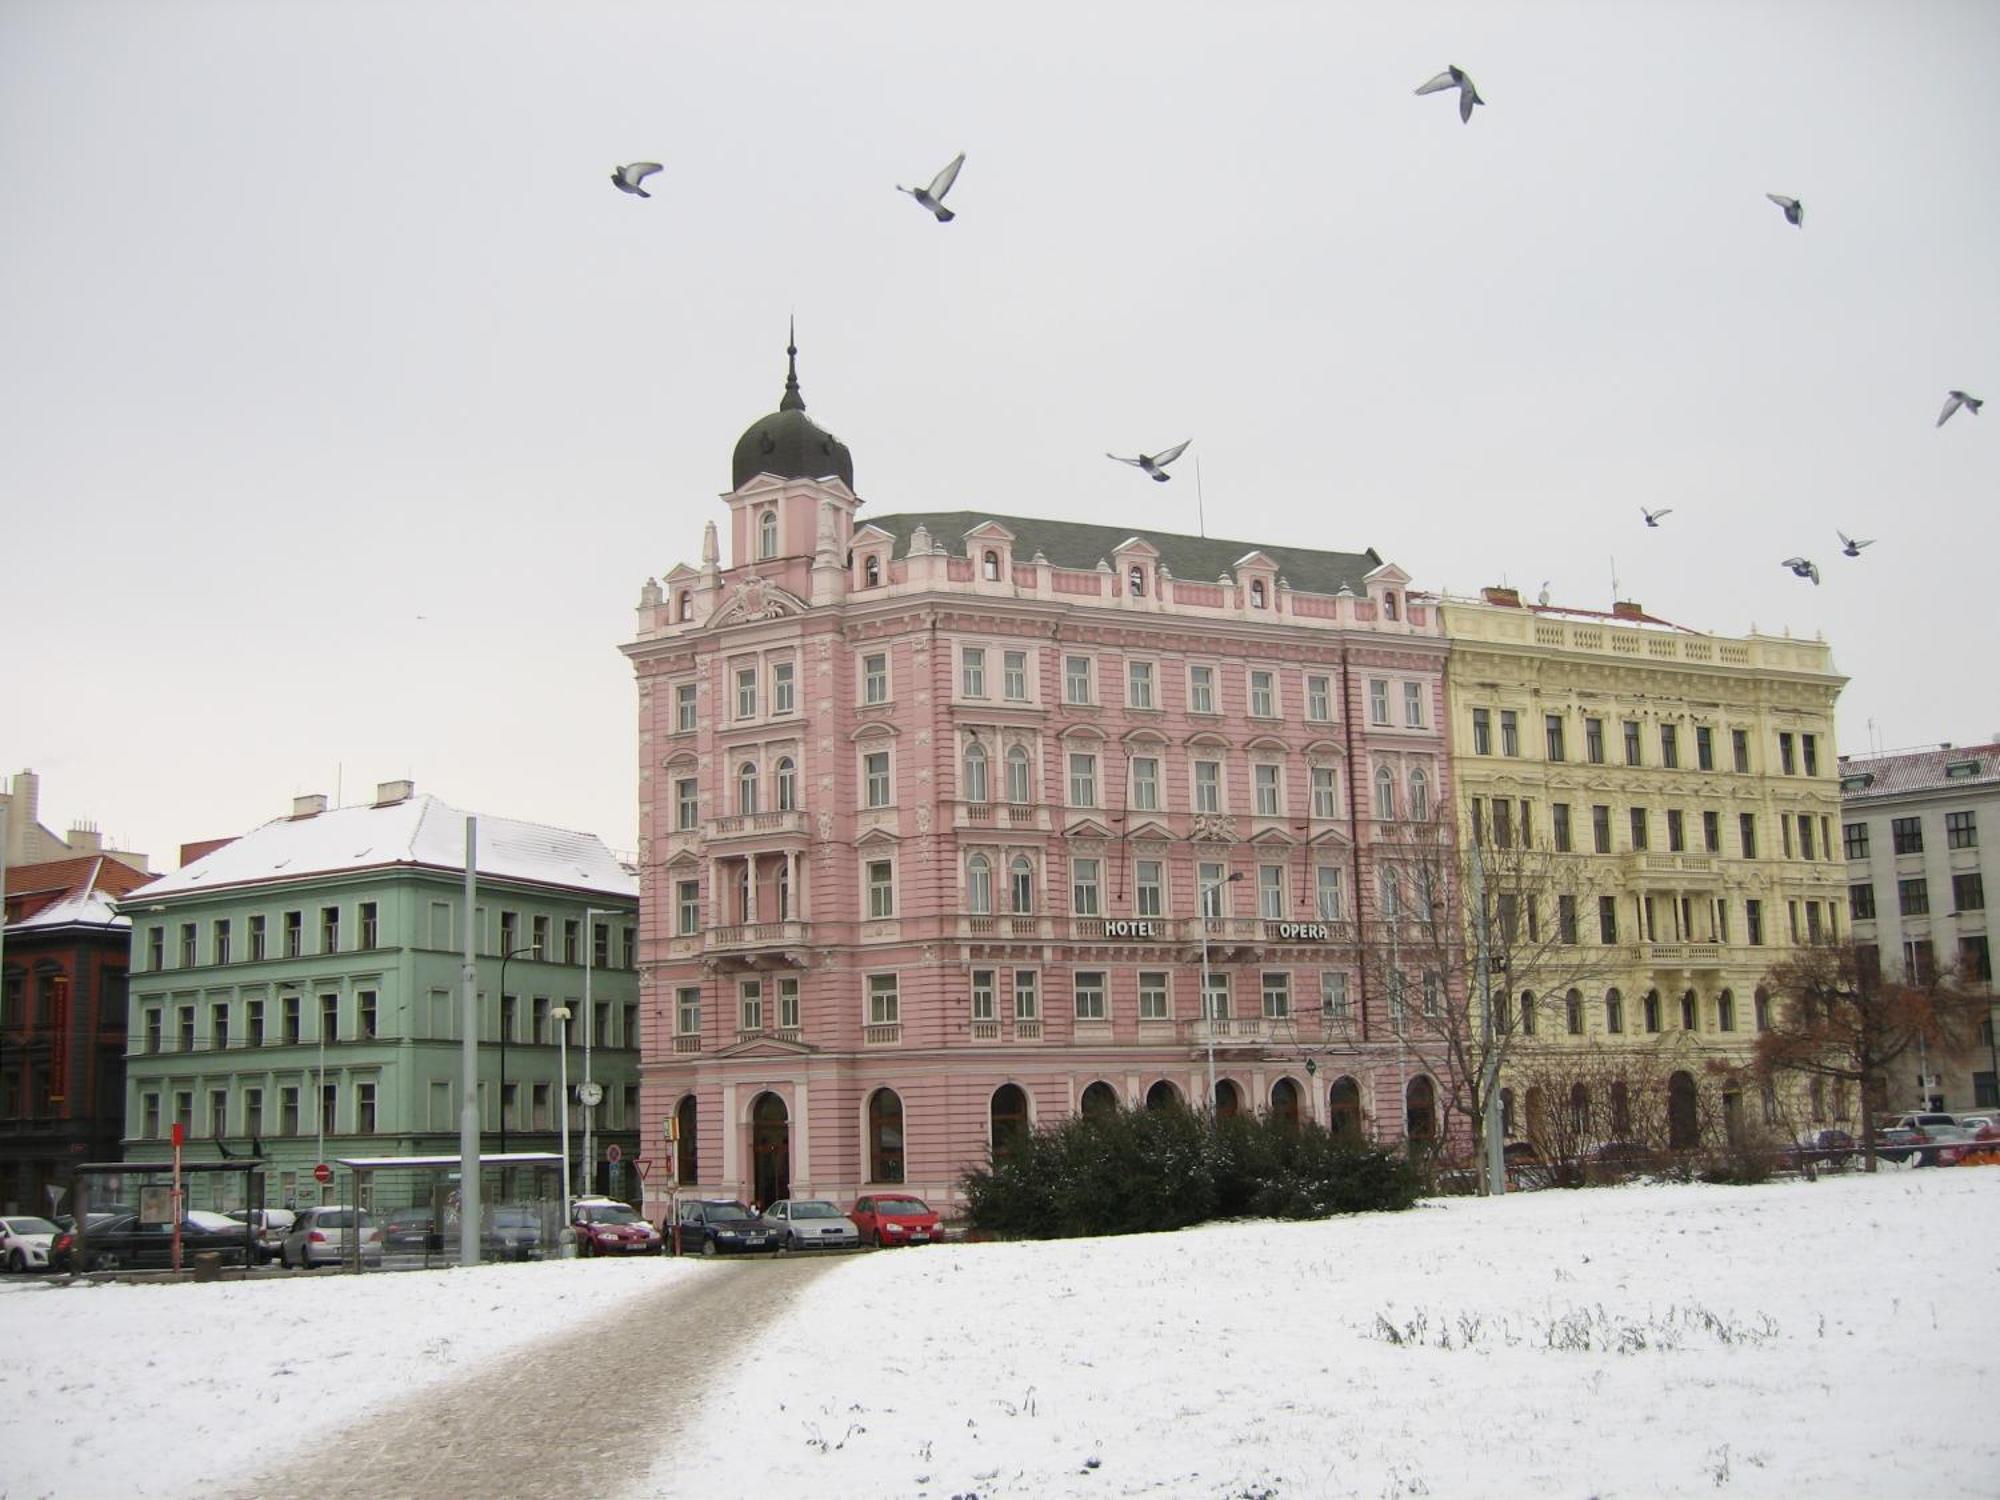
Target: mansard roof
pixel 1079 544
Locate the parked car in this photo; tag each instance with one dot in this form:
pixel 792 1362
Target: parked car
pixel 1924 1119
pixel 513 1232
pixel 272 1225
pixel 895 1219
pixel 1899 1142
pixel 606 1227
pixel 412 1231
pixel 1978 1122
pixel 1948 1144
pixel 122 1243
pixel 720 1226
pixel 1831 1147
pixel 25 1241
pixel 812 1224
pixel 324 1236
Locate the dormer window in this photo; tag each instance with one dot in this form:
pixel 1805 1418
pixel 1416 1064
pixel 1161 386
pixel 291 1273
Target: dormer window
pixel 1138 577
pixel 871 572
pixel 1256 593
pixel 1389 606
pixel 767 534
pixel 684 611
pixel 990 566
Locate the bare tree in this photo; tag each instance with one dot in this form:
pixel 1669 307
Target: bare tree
pixel 1836 1016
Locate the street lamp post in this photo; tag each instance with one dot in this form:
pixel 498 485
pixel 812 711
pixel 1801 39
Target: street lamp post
pixel 589 1090
pixel 506 1026
pixel 1207 1004
pixel 560 1015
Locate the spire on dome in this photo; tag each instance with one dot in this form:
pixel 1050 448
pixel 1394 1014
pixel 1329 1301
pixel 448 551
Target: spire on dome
pixel 792 400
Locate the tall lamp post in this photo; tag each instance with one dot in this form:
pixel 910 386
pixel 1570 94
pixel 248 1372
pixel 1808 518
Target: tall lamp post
pixel 560 1015
pixel 1207 1004
pixel 589 1092
pixel 506 1026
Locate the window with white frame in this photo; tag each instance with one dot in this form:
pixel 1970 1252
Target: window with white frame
pixel 1378 701
pixel 1138 684
pixel 1277 995
pixel 746 692
pixel 1083 888
pixel 1135 581
pixel 1271 892
pixel 1267 790
pixel 1385 793
pixel 1212 880
pixel 687 812
pixel 1145 783
pixel 884 1006
pixel 784 684
pixel 1433 994
pixel 875 677
pixel 1333 995
pixel 746 788
pixel 687 907
pixel 1420 795
pixel 1319 698
pixel 1325 804
pixel 1263 695
pixel 750 1005
pixel 684 708
pixel 1215 995
pixel 1077 674
pixel 1208 786
pixel 787 778
pixel 1149 888
pixel 983 992
pixel 788 1003
pixel 979 885
pixel 1201 690
pixel 972 671
pixel 1020 779
pixel 881 882
pixel 1089 989
pixel 1082 779
pixel 767 534
pixel 1014 676
pixel 1413 704
pixel 1155 1003
pixel 1027 995
pixel 1021 885
pixel 875 778
pixel 1328 902
pixel 975 773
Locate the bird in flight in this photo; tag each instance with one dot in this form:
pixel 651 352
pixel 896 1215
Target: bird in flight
pixel 1455 77
pixel 1849 546
pixel 1155 463
pixel 932 197
pixel 1954 400
pixel 1802 568
pixel 629 176
pixel 1653 516
pixel 1795 211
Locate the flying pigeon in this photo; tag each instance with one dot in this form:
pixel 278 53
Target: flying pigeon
pixel 1653 516
pixel 1455 77
pixel 1154 464
pixel 1795 211
pixel 629 176
pixel 932 197
pixel 1803 569
pixel 1955 400
pixel 1849 546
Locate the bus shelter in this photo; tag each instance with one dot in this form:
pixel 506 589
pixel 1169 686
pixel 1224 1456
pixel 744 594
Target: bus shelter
pixel 414 1201
pixel 146 1189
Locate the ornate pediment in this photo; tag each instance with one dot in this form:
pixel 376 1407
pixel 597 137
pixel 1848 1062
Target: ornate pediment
pixel 756 598
pixel 765 1046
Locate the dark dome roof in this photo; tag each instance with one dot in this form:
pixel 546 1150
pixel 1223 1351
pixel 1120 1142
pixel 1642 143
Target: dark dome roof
pixel 789 444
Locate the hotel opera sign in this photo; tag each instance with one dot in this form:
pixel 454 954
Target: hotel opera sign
pixel 1284 932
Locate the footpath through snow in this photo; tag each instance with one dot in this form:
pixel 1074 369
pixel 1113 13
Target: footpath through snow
pixel 1831 1338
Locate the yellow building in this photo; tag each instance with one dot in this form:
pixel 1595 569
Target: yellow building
pixel 1673 799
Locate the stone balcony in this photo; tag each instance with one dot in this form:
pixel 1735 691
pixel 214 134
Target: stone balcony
pixel 979 817
pixel 746 935
pixel 755 825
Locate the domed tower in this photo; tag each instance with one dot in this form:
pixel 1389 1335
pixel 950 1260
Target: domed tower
pixel 786 472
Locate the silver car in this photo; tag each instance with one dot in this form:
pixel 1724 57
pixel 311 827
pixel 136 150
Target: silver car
pixel 812 1224
pixel 324 1236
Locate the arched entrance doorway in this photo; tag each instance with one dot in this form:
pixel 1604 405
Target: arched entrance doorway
pixel 1163 1095
pixel 1683 1126
pixel 1285 1102
pixel 1228 1099
pixel 1421 1110
pixel 770 1150
pixel 1009 1118
pixel 1343 1109
pixel 687 1161
pixel 1100 1099
pixel 885 1136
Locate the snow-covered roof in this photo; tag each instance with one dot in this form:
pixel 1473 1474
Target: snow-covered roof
pixel 417 831
pixel 78 892
pixel 1900 773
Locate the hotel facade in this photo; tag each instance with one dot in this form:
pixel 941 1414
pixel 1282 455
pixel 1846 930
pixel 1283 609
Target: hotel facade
pixel 950 820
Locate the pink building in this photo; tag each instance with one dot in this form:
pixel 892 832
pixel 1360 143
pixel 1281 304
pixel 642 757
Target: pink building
pixel 926 803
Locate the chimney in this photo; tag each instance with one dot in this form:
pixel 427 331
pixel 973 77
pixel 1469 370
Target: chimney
pixel 84 838
pixel 1509 597
pixel 309 807
pixel 1625 609
pixel 389 793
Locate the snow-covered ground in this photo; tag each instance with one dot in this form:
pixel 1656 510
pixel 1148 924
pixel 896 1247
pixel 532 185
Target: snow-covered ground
pixel 1835 1338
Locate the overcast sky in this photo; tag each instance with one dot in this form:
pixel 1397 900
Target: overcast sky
pixel 347 406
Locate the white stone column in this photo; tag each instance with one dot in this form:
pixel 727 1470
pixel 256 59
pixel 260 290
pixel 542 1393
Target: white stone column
pixel 732 1159
pixel 801 1137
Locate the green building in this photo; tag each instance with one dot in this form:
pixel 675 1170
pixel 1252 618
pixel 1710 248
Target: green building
pixel 296 993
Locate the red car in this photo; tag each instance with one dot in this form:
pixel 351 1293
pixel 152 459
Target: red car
pixel 607 1228
pixel 895 1219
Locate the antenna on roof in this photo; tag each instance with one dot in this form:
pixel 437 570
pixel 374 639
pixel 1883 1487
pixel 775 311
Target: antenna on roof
pixel 1200 507
pixel 1614 580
